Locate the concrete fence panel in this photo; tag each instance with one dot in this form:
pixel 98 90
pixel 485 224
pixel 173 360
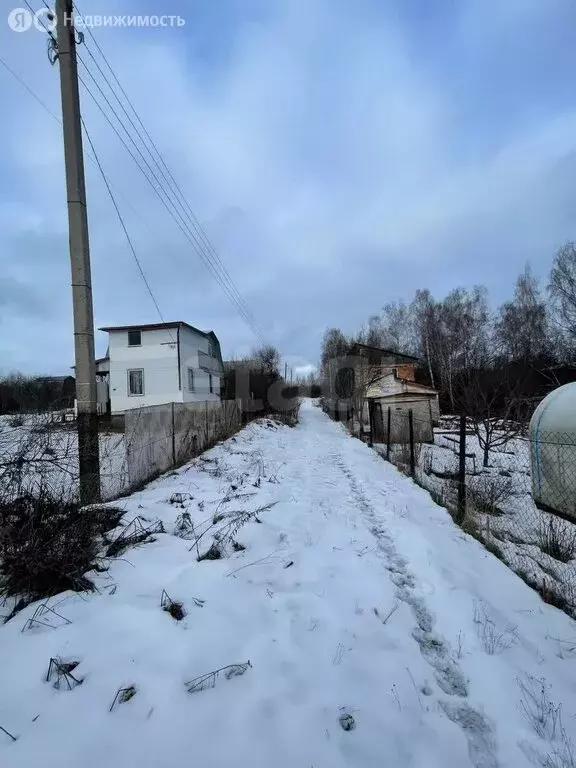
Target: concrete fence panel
pixel 161 437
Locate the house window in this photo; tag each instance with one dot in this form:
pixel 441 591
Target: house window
pixel 210 383
pixel 134 338
pixel 191 379
pixel 136 381
pixel 211 349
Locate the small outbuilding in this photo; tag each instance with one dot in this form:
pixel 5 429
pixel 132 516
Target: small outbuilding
pixel 553 452
pixel 398 391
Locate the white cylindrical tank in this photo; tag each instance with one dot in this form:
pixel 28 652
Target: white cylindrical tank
pixel 553 452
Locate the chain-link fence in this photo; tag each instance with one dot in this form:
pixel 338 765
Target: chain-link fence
pixel 514 493
pixel 39 454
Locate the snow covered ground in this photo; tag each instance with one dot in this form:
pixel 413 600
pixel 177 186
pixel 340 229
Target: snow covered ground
pixel 514 525
pixel 355 596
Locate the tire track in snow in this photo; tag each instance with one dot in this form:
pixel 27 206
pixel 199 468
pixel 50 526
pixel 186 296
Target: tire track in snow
pixel 434 649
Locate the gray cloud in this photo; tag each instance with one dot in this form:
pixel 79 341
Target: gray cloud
pixel 338 154
pixel 19 300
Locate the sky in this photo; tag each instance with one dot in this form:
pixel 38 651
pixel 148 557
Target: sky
pixel 338 154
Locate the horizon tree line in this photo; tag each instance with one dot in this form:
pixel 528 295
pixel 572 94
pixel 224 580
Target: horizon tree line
pixel 459 335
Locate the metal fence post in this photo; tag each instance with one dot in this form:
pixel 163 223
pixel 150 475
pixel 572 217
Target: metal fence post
pixel 388 434
pixel 371 423
pixel 173 438
pixel 462 471
pixel 411 432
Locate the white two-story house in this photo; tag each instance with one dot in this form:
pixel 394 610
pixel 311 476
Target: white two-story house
pixel 158 363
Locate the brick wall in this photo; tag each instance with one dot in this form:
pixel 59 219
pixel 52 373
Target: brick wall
pixel 406 372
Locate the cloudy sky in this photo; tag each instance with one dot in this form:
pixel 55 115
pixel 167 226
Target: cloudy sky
pixel 339 154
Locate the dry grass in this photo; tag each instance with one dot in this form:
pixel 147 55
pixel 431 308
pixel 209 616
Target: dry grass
pixel 489 492
pixel 539 710
pixel 208 680
pixel 557 538
pixel 495 640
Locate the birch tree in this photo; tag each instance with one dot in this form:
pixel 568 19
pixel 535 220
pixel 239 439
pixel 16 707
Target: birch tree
pixel 522 327
pixel 562 290
pixel 398 327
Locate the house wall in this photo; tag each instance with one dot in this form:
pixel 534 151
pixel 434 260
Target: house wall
pixel 194 352
pixel 426 400
pixel 157 356
pixel 423 414
pixel 387 385
pixel 421 406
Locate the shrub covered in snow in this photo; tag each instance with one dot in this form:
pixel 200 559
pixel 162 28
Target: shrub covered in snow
pixel 47 545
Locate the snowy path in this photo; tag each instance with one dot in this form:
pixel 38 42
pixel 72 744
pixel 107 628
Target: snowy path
pixel 355 593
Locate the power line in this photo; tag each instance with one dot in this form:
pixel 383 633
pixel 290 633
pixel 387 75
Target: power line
pixel 201 232
pixel 163 169
pixel 165 198
pixel 30 91
pixel 174 214
pixel 180 219
pixel 202 243
pixel 94 158
pixel 197 238
pixel 38 19
pixel 59 120
pixel 168 202
pixel 130 243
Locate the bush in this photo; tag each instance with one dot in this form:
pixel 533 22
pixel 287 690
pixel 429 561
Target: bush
pixel 291 416
pixel 46 545
pixel 16 421
pixel 557 538
pixel 488 492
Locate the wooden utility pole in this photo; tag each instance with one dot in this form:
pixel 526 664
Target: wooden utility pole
pixel 87 416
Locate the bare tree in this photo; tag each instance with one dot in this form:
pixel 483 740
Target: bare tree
pixel 376 333
pixel 335 347
pixel 562 289
pixel 425 327
pixel 452 334
pixel 398 332
pixel 495 407
pixel 461 340
pixel 522 328
pixel 31 394
pixel 269 359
